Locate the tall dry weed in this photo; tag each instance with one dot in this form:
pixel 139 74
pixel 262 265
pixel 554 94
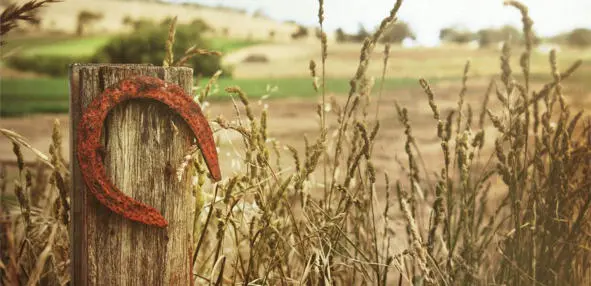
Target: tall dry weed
pixel 311 216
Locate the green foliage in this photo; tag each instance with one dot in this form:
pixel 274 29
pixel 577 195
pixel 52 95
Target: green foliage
pixel 51 56
pixel 226 45
pixel 200 25
pixel 66 46
pixel 137 24
pixel 33 95
pixel 39 95
pixel 53 65
pixel 147 45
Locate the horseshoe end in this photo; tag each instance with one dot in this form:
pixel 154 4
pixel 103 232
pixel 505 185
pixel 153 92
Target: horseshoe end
pixel 211 160
pixel 161 224
pixel 216 175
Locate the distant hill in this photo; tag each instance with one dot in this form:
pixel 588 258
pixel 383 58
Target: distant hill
pixel 227 22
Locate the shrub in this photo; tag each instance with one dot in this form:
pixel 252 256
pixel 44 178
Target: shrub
pixel 199 25
pixel 46 64
pixel 85 18
pixel 136 24
pixel 397 32
pixel 301 32
pixel 256 58
pixel 456 36
pixel 579 38
pixel 362 33
pixel 487 37
pixel 341 36
pixel 147 45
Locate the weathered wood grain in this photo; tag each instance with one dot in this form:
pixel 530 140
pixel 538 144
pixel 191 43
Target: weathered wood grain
pixel 142 153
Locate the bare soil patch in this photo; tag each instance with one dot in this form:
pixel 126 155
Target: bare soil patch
pixel 289 120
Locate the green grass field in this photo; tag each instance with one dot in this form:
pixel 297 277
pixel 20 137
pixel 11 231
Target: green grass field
pixel 70 47
pixel 66 45
pixel 58 45
pixel 50 95
pixel 226 45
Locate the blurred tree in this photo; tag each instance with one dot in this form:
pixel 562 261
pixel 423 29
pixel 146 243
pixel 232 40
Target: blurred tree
pixel 536 39
pixel 512 34
pixel 455 35
pixel 259 13
pixel 340 35
pixel 127 20
pixel 147 45
pixel 397 32
pixel 84 19
pixel 362 33
pixel 301 32
pixel 200 25
pixel 487 37
pixel 318 33
pixel 136 24
pixel 580 37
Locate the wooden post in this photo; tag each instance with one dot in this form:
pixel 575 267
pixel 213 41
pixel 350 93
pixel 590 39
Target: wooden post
pixel 142 151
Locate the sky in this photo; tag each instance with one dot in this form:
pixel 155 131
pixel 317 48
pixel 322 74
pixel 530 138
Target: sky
pixel 425 17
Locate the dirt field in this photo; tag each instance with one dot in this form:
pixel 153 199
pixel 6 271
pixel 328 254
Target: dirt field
pixel 292 60
pixel 289 120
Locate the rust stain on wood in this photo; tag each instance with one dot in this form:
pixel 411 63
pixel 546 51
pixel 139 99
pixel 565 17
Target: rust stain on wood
pixel 89 144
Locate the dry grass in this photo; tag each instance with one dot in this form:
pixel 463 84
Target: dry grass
pixel 290 59
pixel 25 12
pixel 316 217
pixel 35 238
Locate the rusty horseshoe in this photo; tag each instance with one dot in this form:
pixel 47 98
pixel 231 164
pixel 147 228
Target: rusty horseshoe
pixel 89 145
